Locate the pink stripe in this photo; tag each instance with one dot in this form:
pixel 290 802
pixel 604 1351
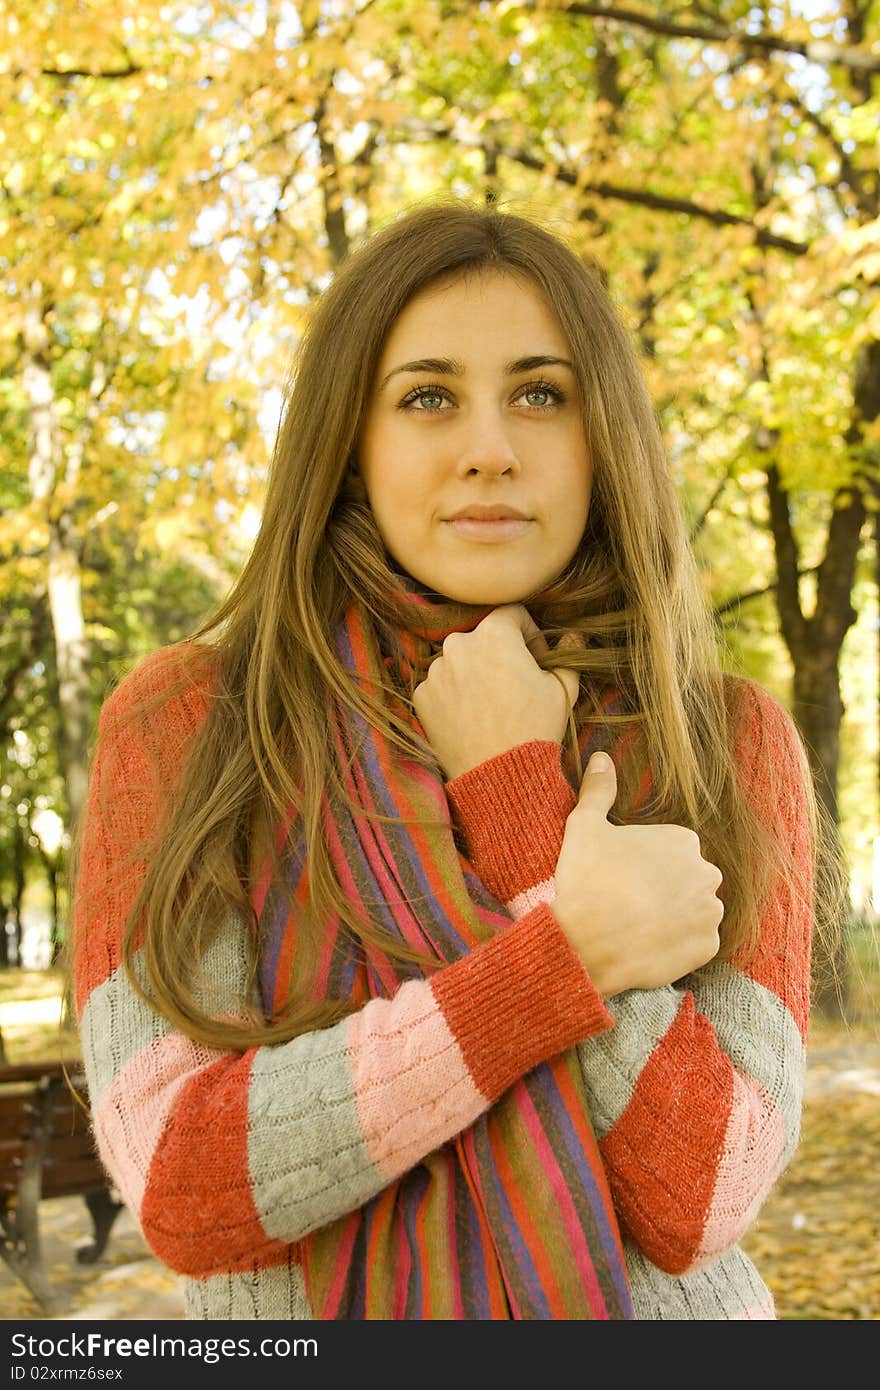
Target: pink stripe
pixel 522 904
pixel 751 1161
pixel 330 936
pixel 423 849
pixel 457 1299
pixel 401 1272
pixel 379 855
pixel 377 959
pixel 394 1066
pixel 563 1196
pixel 428 781
pixel 131 1115
pixel 487 1249
pixel 265 875
pixel 343 1262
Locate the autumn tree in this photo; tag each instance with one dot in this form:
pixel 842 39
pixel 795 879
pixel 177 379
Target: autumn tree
pixel 184 182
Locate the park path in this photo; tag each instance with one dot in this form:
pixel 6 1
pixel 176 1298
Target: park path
pixel 127 1283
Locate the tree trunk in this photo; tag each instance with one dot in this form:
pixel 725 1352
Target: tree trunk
pixel 818 710
pixel 331 191
pixel 815 646
pixel 4 938
pixel 875 896
pixel 866 403
pixel 55 937
pixel 74 695
pixel 19 882
pixel 63 581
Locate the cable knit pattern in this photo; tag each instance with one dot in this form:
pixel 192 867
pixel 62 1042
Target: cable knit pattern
pixel 229 1159
pixel 696 1093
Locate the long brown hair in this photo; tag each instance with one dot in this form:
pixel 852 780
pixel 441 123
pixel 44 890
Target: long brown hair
pixel 632 592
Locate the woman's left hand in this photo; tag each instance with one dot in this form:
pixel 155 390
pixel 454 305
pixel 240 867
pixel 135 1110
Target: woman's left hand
pixel 486 693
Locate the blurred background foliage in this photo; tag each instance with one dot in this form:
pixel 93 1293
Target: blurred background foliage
pixel 178 181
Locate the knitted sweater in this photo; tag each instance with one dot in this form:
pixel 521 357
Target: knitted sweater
pixel 228 1159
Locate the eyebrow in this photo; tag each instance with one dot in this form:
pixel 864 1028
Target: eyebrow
pixel 447 366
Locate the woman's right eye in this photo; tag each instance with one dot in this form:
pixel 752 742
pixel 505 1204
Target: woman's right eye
pixel 428 399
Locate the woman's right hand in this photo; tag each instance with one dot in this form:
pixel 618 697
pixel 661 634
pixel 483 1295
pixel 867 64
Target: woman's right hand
pixel 637 902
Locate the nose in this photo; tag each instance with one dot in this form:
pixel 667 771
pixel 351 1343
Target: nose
pixel 486 446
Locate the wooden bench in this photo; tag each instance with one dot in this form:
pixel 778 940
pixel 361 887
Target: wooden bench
pixel 47 1150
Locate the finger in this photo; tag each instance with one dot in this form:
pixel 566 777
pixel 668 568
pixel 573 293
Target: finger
pixel 570 682
pixel 519 616
pixel 598 789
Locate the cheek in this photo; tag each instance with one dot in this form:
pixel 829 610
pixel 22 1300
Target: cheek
pixel 573 504
pixel 396 491
pixel 576 482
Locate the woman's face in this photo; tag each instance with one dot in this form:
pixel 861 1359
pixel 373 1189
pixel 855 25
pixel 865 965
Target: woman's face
pixel 474 406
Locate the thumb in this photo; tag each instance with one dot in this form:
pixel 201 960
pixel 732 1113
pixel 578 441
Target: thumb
pixel 598 789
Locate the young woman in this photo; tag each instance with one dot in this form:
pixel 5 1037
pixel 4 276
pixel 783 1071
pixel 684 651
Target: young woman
pixel 398 998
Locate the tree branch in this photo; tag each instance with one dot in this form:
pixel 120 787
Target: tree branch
pixel 713 501
pixel 834 608
pixel 850 174
pixel 661 202
pixel 130 71
pixel 739 599
pixel 814 50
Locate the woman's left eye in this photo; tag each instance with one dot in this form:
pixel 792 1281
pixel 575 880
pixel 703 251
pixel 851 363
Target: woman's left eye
pixel 551 395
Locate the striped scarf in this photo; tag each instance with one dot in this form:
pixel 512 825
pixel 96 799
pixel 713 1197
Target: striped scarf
pixel 512 1219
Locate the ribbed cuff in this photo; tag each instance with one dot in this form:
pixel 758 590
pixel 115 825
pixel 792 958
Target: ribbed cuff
pixel 517 1000
pixel 512 809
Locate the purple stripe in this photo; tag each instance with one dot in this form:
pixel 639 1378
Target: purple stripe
pixel 413 1195
pixel 513 1234
pixel 477 1263
pixel 542 1077
pixel 274 925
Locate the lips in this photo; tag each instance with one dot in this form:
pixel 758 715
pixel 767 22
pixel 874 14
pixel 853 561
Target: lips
pixel 502 524
pixel 476 512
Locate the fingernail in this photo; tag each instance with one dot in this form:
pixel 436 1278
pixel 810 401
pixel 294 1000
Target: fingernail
pixel 600 762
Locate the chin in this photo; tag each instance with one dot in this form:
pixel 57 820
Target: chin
pixel 483 595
